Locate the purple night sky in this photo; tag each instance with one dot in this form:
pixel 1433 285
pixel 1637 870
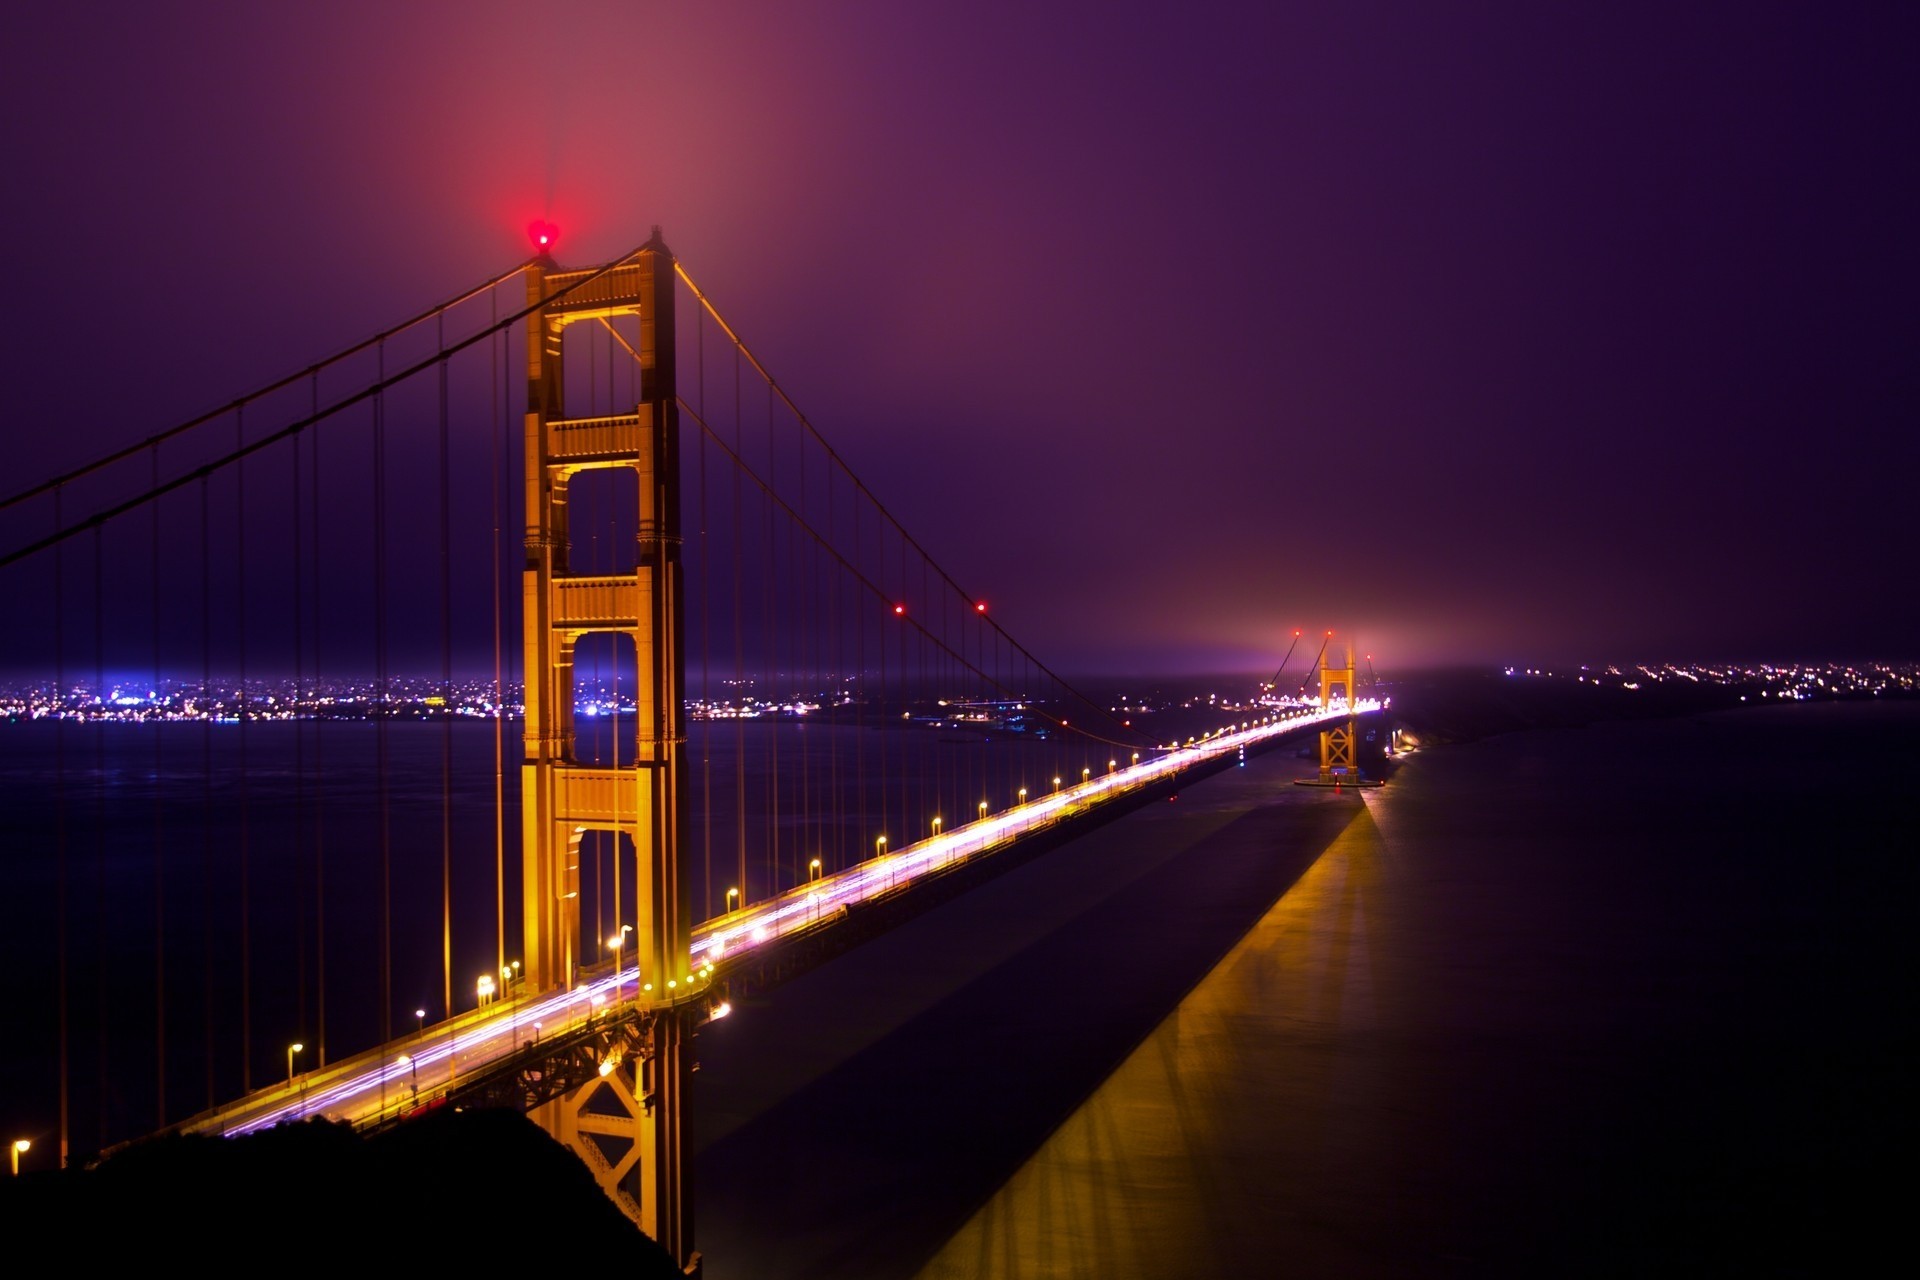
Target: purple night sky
pixel 1483 332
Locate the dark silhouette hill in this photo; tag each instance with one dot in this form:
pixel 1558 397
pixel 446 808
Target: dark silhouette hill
pixel 454 1187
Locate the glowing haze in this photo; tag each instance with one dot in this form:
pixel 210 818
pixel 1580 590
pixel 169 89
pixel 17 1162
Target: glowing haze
pixel 1485 333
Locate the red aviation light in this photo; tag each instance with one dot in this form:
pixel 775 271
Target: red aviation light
pixel 979 606
pixel 543 234
pixel 899 611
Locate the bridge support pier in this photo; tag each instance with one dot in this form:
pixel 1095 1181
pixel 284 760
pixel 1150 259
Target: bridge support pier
pixel 626 1127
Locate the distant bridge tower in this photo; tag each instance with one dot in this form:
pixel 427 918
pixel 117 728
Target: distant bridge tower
pixel 1338 760
pixel 625 1125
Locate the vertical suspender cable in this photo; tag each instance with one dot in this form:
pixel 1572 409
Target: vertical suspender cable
pixel 240 639
pixel 768 663
pixel 100 824
pixel 60 812
pixel 380 703
pixel 299 755
pixel 886 715
pixel 832 672
pixel 802 652
pixel 909 827
pixel 500 709
pixel 159 860
pixel 319 779
pixel 739 654
pixel 206 777
pixel 860 664
pixel 446 681
pixel 706 629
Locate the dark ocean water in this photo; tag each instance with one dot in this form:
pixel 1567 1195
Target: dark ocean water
pixel 1625 1000
pixel 201 861
pixel 1633 999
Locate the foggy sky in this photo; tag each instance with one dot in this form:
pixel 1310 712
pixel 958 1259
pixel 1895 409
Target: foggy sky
pixel 1497 332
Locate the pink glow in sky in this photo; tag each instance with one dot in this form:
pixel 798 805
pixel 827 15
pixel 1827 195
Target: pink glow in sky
pixel 1478 332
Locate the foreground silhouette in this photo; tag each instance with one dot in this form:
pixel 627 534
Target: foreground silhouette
pixel 451 1187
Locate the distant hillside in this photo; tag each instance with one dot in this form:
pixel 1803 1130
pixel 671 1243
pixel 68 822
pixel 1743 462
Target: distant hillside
pixel 1460 706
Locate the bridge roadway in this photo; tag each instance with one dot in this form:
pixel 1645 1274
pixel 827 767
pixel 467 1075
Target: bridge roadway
pixel 410 1073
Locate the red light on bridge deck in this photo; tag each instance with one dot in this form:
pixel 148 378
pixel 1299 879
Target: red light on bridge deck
pixel 543 234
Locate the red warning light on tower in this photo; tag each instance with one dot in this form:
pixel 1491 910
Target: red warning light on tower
pixel 543 234
pixel 979 606
pixel 899 611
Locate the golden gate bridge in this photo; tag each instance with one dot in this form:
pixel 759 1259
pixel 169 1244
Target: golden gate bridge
pixel 759 722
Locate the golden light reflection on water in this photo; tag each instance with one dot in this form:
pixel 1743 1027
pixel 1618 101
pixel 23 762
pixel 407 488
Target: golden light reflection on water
pixel 1216 1123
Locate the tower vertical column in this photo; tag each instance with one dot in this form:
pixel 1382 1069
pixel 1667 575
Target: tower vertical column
pixel 643 797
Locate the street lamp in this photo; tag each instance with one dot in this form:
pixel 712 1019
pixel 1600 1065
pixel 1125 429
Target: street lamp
pixel 813 870
pixel 291 1050
pixel 484 988
pixel 420 1021
pixel 1023 795
pixel 983 811
pixel 616 943
pixel 20 1147
pixel 733 896
pixel 936 827
pixel 406 1060
pixel 1084 775
pixel 1112 765
pixel 1056 783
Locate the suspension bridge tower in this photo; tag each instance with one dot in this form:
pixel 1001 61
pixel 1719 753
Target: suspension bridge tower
pixel 1339 757
pixel 625 1124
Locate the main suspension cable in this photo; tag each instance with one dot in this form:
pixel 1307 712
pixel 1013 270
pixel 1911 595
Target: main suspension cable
pixel 232 406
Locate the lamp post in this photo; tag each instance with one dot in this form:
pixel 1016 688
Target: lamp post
pixel 483 989
pixel 616 944
pixel 813 871
pixel 1023 795
pixel 291 1050
pixel 1084 775
pixel 406 1060
pixel 880 852
pixel 936 827
pixel 983 811
pixel 1056 782
pixel 733 896
pixel 20 1147
pixel 420 1022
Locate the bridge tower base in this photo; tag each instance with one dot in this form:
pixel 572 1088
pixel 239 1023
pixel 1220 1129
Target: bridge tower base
pixel 625 1125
